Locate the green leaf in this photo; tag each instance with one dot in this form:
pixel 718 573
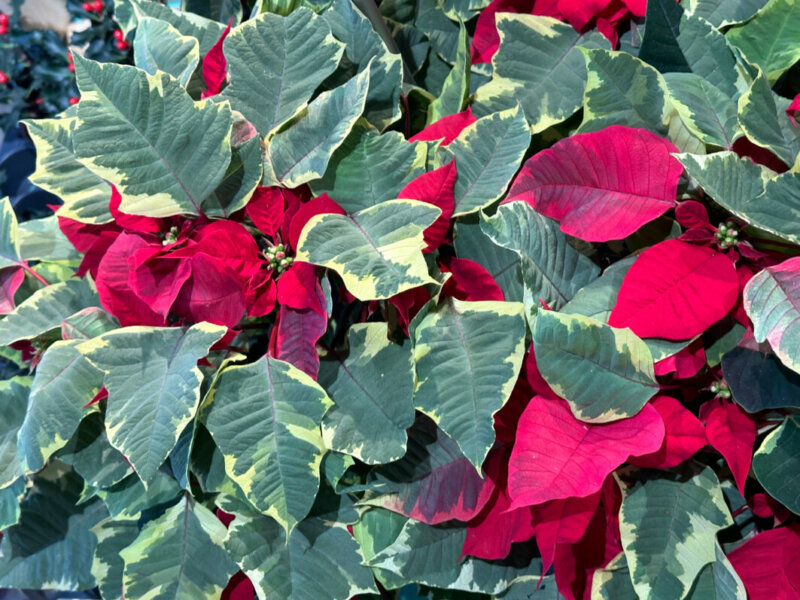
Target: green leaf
pixel 13 402
pixel 276 63
pixel 9 236
pixel 736 184
pixel 597 299
pixel 242 177
pixel 746 190
pixel 723 12
pixel 776 462
pixel 455 89
pixel 370 168
pixel 87 323
pixel 669 533
pixel 539 66
pixel 10 497
pixel 45 309
pixel 179 555
pixel 704 109
pixel 63 384
pixel 365 49
pixel 319 560
pixel 153 385
pixel 161 168
pixel 622 90
pixel 377 251
pixel 660 46
pixel 206 31
pixel 488 153
pixel 85 195
pixel 762 116
pixel 467 356
pixel 264 418
pixel 127 499
pixel 92 456
pixel 302 152
pixel 604 373
pixel 431 555
pixel 772 301
pixel 503 265
pixel 371 390
pixel 770 39
pixel 41 239
pixel 160 47
pixel 378 529
pixel 218 10
pixel 52 545
pixel 717 580
pixel 551 269
pixel 107 566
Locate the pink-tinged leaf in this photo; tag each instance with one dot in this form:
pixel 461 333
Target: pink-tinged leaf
pixel 230 242
pixel 317 206
pixel 10 280
pixel 101 394
pixel 113 287
pixel 433 483
pixel 557 456
pixel 579 13
pixel 562 522
pixel 435 187
pixel 297 287
pixel 637 7
pixel 261 295
pixel 603 185
pixel 685 363
pixel 697 235
pixel 745 148
pixel 486 40
pixel 766 507
pixel 793 110
pixel 691 213
pixel 491 533
pixel 133 222
pixel 215 66
pixel 266 208
pixel 215 293
pixel 239 588
pixel 675 291
pixel 684 436
pixel 445 129
pixel 469 281
pixel 762 562
pixel 507 418
pixel 157 279
pixel 296 333
pixel 408 304
pixel 576 563
pixel 535 380
pixel 733 433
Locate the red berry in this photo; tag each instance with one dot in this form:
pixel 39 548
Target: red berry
pixel 118 35
pixel 87 6
pixel 98 6
pixel 122 45
pixel 73 100
pixel 3 78
pixel 3 19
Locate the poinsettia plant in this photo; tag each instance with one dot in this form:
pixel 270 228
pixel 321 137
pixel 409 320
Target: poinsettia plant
pixel 334 307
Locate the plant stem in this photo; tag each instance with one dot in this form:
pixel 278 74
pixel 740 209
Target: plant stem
pixel 34 274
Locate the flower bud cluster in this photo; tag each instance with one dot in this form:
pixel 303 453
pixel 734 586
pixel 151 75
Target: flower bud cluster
pixel 727 235
pixel 276 256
